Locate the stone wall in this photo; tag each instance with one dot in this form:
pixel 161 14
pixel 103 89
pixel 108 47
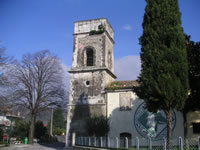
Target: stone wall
pixel 86 88
pixel 88 25
pixel 95 42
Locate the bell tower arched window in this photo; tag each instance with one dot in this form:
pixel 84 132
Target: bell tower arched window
pixel 89 57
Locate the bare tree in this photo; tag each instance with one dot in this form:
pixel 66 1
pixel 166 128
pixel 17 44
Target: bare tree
pixel 38 83
pixel 5 62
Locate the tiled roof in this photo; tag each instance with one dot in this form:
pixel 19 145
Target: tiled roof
pixel 122 85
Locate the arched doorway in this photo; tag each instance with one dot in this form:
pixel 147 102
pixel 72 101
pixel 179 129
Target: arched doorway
pixel 123 137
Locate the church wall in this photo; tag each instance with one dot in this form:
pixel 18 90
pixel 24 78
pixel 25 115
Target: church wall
pixel 120 121
pixel 125 121
pixel 192 117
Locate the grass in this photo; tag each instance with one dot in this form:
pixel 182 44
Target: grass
pixel 1 142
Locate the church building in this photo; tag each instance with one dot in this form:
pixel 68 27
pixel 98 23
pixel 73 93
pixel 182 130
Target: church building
pixel 94 90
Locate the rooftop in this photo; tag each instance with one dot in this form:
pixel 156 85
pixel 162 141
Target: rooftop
pixel 122 85
pixel 96 19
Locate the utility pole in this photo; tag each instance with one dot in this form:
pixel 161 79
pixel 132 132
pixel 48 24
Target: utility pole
pixel 51 129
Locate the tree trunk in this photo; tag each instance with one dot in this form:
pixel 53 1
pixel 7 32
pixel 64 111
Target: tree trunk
pixel 185 124
pixel 169 128
pixel 32 128
pixel 185 129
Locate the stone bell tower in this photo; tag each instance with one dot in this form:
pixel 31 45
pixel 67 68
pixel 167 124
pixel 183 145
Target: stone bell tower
pixel 92 69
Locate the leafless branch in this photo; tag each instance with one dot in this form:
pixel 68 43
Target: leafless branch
pixel 39 81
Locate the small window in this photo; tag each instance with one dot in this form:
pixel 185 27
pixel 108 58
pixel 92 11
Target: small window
pixel 89 57
pixel 109 60
pixel 125 101
pixel 87 83
pixel 196 128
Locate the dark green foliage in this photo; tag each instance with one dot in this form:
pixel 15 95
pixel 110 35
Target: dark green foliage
pixel 40 130
pixel 21 129
pixel 58 122
pixel 164 75
pixel 58 118
pixel 100 30
pixel 1 134
pixel 59 131
pixel 192 103
pixel 193 51
pixel 97 126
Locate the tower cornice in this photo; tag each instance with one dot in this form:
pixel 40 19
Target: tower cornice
pixel 92 69
pixel 87 33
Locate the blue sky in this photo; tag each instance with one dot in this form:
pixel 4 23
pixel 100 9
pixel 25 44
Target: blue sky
pixel 27 26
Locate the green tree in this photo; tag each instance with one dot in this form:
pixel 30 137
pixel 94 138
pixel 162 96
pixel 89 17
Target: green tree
pixel 21 129
pixel 37 84
pixel 192 103
pixel 58 118
pixel 164 74
pixel 58 121
pixel 97 126
pixel 1 134
pixel 58 131
pixel 40 130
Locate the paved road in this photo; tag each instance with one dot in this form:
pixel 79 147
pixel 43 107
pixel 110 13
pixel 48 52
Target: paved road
pixel 54 146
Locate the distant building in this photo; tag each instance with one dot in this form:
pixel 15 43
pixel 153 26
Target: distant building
pixel 4 122
pixel 95 92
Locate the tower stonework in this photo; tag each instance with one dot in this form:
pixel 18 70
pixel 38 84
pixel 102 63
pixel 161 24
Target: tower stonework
pixel 92 70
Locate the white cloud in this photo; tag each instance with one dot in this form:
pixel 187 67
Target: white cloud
pixel 127 27
pixel 128 67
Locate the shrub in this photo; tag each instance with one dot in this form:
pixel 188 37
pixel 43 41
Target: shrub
pixel 97 126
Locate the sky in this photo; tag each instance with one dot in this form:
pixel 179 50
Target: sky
pixel 27 26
